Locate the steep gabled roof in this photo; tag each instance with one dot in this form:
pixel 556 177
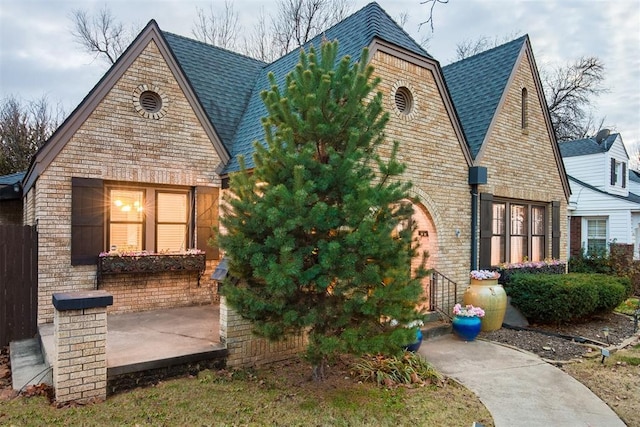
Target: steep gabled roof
pixel 634 175
pixel 151 33
pixel 222 80
pixel 587 146
pixel 476 85
pixel 353 34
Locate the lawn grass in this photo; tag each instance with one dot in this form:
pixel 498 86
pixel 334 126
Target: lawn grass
pixel 266 397
pixel 629 306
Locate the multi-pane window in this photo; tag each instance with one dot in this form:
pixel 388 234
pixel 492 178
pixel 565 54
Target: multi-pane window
pixel 498 240
pixel 126 220
pixel 148 219
pixel 519 232
pixel 596 236
pixel 537 233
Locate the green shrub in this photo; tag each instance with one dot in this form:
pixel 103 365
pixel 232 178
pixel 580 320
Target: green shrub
pixel 553 298
pixel 552 266
pixel 612 293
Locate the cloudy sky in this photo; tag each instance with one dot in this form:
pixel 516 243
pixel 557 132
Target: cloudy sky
pixel 38 56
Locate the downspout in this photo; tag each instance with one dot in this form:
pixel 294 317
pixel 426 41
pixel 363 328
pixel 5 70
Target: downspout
pixel 477 175
pixel 474 226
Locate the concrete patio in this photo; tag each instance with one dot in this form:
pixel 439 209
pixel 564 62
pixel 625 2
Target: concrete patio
pixel 144 341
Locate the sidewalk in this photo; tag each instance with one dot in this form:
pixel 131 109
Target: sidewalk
pixel 518 388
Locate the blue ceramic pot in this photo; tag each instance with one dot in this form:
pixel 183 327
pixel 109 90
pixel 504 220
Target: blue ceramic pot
pixel 415 345
pixel 467 328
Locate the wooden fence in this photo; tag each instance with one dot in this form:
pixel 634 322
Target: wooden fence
pixel 18 283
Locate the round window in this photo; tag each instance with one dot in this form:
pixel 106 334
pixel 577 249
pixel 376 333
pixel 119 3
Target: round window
pixel 404 100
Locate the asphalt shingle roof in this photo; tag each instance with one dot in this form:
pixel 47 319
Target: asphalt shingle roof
pixel 476 85
pixel 353 34
pixel 634 175
pixel 222 80
pixel 12 178
pixel 634 198
pixel 583 147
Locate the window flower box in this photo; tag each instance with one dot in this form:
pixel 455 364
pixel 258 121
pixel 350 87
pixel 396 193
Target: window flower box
pixel 149 262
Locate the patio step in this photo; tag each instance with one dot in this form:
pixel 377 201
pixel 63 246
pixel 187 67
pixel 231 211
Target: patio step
pixel 125 377
pixel 436 325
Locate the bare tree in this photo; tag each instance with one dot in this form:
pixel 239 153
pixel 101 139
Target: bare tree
pixel 257 44
pixel 433 4
pixel 24 127
pixel 470 47
pixel 217 30
pixel 101 35
pixel 570 91
pixel 298 21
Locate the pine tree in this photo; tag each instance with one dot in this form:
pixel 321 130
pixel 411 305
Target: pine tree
pixel 314 232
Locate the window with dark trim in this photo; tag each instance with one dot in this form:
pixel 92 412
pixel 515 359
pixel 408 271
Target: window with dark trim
pixel 134 218
pixel 518 232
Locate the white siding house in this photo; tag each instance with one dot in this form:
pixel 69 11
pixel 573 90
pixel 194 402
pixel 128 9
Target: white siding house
pixel 605 203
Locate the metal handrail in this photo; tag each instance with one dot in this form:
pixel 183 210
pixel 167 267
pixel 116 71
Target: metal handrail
pixel 443 294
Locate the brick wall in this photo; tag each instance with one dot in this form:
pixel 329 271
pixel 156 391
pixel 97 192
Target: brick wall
pixel 116 143
pixel 247 350
pixel 80 361
pixel 435 162
pixel 521 164
pixel 141 292
pixel 575 246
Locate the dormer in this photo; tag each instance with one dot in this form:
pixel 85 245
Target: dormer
pixel 617 165
pixel 601 161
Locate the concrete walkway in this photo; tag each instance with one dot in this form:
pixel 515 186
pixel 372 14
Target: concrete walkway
pixel 518 388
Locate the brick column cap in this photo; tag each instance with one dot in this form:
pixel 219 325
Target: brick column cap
pixel 81 299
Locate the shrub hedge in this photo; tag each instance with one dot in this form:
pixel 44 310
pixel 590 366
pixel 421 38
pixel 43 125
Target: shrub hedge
pixel 565 298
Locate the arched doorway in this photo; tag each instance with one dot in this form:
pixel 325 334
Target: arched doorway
pixel 426 236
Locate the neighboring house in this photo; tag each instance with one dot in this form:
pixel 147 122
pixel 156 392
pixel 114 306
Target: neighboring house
pixel 10 198
pixel 605 201
pixel 163 129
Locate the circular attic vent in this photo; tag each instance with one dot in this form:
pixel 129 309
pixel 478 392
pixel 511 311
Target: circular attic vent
pixel 404 100
pixel 150 101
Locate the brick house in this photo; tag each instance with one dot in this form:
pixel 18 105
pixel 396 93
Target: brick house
pixel 141 163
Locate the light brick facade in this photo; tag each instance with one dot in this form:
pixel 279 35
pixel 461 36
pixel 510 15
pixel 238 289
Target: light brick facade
pixel 80 360
pixel 436 164
pixel 117 144
pixel 248 350
pixel 521 163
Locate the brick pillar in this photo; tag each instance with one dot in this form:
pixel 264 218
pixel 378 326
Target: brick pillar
pixel 247 350
pixel 80 345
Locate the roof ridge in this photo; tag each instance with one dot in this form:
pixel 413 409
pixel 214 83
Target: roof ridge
pixel 520 39
pixel 210 46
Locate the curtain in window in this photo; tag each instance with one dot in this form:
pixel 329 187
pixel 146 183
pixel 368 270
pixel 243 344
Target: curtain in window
pixel 498 239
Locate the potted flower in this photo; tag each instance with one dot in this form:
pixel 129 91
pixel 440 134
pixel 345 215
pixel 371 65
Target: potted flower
pixel 484 291
pixel 414 346
pixel 467 321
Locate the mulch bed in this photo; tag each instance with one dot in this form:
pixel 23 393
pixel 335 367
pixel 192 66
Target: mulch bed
pixel 542 339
